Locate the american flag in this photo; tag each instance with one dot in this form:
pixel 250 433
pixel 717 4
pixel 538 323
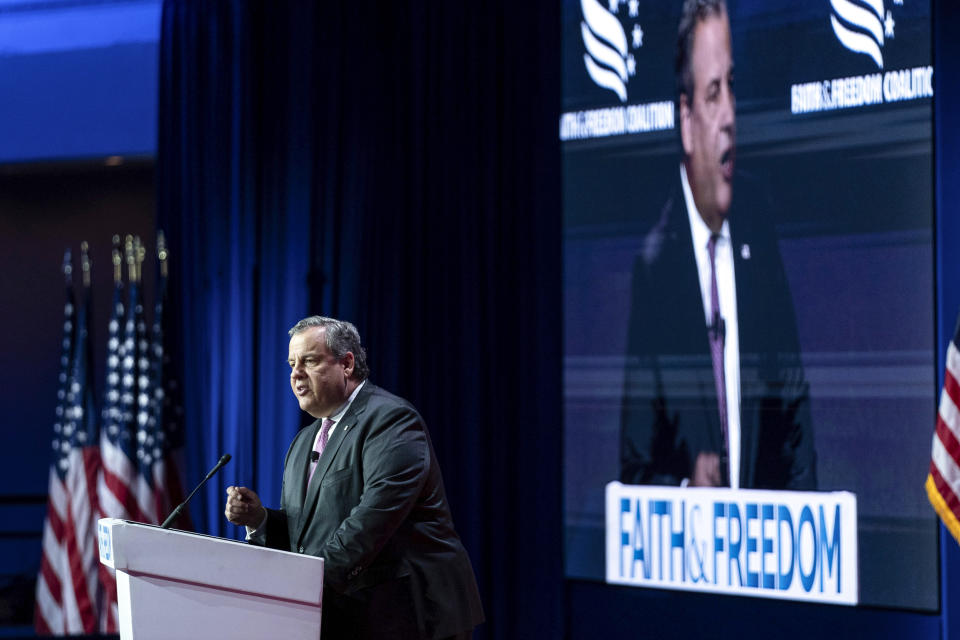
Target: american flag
pixel 123 469
pixel 943 482
pixel 67 587
pixel 160 439
pixel 118 472
pixel 159 433
pixel 135 398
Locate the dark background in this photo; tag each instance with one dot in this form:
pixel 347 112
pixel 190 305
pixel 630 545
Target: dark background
pixel 474 342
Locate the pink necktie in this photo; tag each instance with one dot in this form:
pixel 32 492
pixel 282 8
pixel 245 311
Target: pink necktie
pixel 319 446
pixel 717 339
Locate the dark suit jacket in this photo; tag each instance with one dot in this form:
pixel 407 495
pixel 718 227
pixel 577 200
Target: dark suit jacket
pixel 376 511
pixel 670 410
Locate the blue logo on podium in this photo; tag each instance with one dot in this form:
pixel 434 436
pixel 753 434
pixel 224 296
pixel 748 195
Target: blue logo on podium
pixel 105 541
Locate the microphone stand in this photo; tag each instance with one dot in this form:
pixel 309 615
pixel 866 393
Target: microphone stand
pixel 224 459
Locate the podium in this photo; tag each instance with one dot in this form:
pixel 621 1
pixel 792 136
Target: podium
pixel 172 584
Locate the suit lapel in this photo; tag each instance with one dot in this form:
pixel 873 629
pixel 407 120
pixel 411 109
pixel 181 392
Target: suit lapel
pixel 745 274
pixel 299 465
pixel 689 323
pixel 343 431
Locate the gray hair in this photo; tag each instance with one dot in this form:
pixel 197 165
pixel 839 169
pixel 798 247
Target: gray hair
pixel 341 336
pixel 693 13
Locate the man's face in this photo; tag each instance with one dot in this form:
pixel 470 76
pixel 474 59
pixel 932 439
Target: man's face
pixel 320 381
pixel 707 120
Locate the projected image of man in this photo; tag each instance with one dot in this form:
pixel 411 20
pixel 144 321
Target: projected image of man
pixel 715 393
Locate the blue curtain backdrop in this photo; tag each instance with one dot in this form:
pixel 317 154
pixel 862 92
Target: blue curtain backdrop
pixel 239 227
pixel 946 56
pixel 396 165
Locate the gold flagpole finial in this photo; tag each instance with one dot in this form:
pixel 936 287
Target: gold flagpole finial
pixel 162 252
pixel 117 256
pixel 67 266
pixel 85 262
pixel 141 254
pixel 131 260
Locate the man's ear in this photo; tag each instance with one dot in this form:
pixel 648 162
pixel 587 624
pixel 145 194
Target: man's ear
pixel 347 361
pixel 685 135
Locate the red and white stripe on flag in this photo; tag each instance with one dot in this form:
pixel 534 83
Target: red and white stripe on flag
pixel 943 482
pixel 49 616
pixel 117 500
pixel 67 584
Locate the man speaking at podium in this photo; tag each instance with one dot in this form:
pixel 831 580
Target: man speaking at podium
pixel 362 489
pixel 715 393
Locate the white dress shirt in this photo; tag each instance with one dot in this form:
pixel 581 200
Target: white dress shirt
pixel 727 292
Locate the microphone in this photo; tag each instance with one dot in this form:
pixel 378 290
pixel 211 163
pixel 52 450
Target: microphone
pixel 224 459
pixel 314 456
pixel 719 328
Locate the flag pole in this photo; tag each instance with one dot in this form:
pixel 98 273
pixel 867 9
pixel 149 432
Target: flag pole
pixel 67 266
pixel 141 252
pixel 162 252
pixel 117 256
pixel 131 262
pixel 85 262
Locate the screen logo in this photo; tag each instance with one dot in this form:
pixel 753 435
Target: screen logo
pixel 608 61
pixel 105 542
pixel 611 64
pixel 861 27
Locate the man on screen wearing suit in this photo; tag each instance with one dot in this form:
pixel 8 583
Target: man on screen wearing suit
pixel 715 393
pixel 372 503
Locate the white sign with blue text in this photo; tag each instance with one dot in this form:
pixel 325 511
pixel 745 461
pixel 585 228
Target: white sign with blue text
pixel 790 545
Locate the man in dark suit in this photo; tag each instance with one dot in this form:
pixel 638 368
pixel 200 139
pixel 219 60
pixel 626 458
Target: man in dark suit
pixel 362 489
pixel 715 393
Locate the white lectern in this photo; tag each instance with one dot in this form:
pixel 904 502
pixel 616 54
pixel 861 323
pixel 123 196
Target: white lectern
pixel 172 584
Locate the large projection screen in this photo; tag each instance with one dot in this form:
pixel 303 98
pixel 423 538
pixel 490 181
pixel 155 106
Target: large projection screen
pixel 833 161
